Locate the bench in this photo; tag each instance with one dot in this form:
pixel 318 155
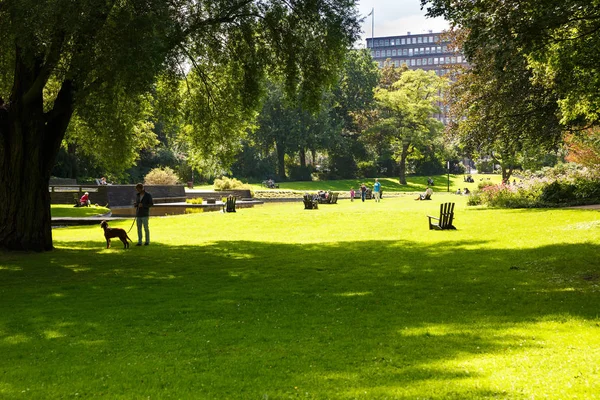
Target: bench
pixel 310 203
pixel 445 219
pixel 229 204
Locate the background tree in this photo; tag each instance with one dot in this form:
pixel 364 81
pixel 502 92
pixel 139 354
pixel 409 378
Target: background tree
pixel 559 41
pixel 353 103
pixel 404 116
pixel 61 57
pixel 584 148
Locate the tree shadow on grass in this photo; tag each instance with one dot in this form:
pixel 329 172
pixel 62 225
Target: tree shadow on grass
pixel 332 320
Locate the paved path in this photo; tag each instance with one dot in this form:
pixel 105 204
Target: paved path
pixel 588 207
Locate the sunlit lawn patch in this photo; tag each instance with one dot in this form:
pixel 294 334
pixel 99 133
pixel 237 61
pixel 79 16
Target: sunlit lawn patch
pixel 66 210
pixel 354 300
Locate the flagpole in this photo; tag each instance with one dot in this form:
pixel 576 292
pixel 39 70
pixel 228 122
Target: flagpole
pixel 373 27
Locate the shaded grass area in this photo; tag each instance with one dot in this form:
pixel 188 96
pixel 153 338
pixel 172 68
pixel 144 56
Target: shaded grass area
pixel 66 210
pixel 355 300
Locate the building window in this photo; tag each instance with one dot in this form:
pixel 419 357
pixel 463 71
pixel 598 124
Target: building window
pixel 372 54
pixel 392 42
pixel 420 39
pixel 388 53
pixel 422 50
pixel 437 39
pixel 436 61
pixel 445 49
pixel 377 53
pixel 404 52
pixel 410 52
pixel 412 62
pixel 430 39
pixel 459 59
pixel 453 60
pixel 438 49
pixel 430 61
pixel 387 42
pixel 402 41
pixel 397 63
pixel 394 52
pixel 427 50
pixel 414 40
pixel 447 60
pixel 418 61
pixel 380 64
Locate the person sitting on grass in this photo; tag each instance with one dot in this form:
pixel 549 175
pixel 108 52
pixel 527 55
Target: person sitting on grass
pixel 84 201
pixel 426 195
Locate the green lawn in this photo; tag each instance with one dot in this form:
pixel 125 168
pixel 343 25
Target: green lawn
pixel 67 210
pixel 350 301
pixel 414 184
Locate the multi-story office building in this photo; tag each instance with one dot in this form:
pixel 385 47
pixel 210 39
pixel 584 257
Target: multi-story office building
pixel 427 51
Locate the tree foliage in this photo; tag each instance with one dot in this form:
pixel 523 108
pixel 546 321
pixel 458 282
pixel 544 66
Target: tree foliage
pixel 62 58
pixel 404 117
pixel 559 39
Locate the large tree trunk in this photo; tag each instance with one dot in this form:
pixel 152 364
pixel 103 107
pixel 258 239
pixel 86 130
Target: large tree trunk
pixel 402 163
pixel 302 158
pixel 29 142
pixel 280 160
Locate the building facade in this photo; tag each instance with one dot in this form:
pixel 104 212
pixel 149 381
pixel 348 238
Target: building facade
pixel 426 51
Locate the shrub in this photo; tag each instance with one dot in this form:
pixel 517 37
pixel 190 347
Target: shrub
pixel 161 176
pixel 565 185
pixel 226 183
pixel 367 169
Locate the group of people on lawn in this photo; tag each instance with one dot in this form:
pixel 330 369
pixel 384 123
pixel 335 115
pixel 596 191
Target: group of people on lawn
pixel 377 191
pixel 363 191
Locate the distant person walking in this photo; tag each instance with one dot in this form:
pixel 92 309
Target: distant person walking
pixel 143 202
pixel 377 190
pixel 363 192
pixel 351 194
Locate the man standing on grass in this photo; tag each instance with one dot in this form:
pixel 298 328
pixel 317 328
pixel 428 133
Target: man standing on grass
pixel 377 190
pixel 143 202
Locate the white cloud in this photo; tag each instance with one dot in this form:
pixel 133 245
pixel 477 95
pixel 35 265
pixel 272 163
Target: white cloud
pixel 397 17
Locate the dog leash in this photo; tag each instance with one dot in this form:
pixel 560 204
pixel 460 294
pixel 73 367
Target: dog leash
pixel 136 214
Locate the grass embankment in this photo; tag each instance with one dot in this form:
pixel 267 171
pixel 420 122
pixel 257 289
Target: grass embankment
pixel 354 300
pixel 414 184
pixel 65 210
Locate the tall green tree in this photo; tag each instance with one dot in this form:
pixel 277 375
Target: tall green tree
pixel 61 57
pixel 353 98
pixel 404 117
pixel 560 40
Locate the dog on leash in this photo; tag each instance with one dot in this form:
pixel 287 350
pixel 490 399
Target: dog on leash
pixel 110 233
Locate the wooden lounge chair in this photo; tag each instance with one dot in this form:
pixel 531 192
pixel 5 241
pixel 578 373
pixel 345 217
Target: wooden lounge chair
pixel 229 204
pixel 333 197
pixel 310 203
pixel 446 218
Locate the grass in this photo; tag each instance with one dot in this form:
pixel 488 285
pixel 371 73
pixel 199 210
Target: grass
pixel 66 210
pixel 350 301
pixel 414 184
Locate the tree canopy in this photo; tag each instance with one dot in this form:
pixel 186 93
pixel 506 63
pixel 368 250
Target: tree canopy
pixel 404 117
pixel 559 39
pixel 90 59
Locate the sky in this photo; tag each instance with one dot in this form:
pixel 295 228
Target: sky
pixel 397 17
